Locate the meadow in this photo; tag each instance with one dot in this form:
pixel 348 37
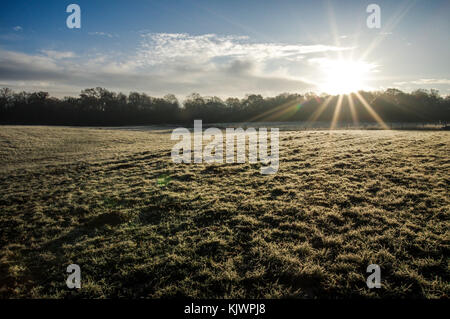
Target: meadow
pixel 139 225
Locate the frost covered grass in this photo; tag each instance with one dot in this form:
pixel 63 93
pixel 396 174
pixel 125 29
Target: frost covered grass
pixel 139 225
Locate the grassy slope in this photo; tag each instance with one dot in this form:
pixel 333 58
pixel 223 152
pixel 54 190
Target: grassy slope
pixel 339 202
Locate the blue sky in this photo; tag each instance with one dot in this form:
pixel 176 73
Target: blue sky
pixel 224 48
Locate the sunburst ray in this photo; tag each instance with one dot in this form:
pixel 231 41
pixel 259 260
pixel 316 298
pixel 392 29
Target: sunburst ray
pixel 371 111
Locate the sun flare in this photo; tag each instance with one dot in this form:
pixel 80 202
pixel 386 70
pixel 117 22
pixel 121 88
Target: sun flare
pixel 345 76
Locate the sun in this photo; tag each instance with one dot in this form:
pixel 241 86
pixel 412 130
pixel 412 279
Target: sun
pixel 345 76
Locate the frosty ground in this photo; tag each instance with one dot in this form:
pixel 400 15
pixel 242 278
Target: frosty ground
pixel 139 225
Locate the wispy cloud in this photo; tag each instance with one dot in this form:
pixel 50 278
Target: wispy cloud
pixel 165 47
pixel 425 82
pixel 102 34
pixel 432 81
pixel 18 28
pixel 58 54
pixel 327 63
pixel 175 63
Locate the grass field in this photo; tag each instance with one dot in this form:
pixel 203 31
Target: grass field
pixel 139 225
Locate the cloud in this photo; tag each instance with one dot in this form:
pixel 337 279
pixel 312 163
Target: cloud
pixel 169 63
pixel 58 54
pixel 159 48
pixel 425 82
pixel 102 34
pixel 21 66
pixel 431 81
pixel 18 28
pixel 327 63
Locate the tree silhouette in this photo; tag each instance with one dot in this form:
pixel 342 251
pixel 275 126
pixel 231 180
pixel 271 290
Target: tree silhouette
pixel 98 106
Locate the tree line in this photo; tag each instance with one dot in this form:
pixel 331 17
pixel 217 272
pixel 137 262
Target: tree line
pixel 101 107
